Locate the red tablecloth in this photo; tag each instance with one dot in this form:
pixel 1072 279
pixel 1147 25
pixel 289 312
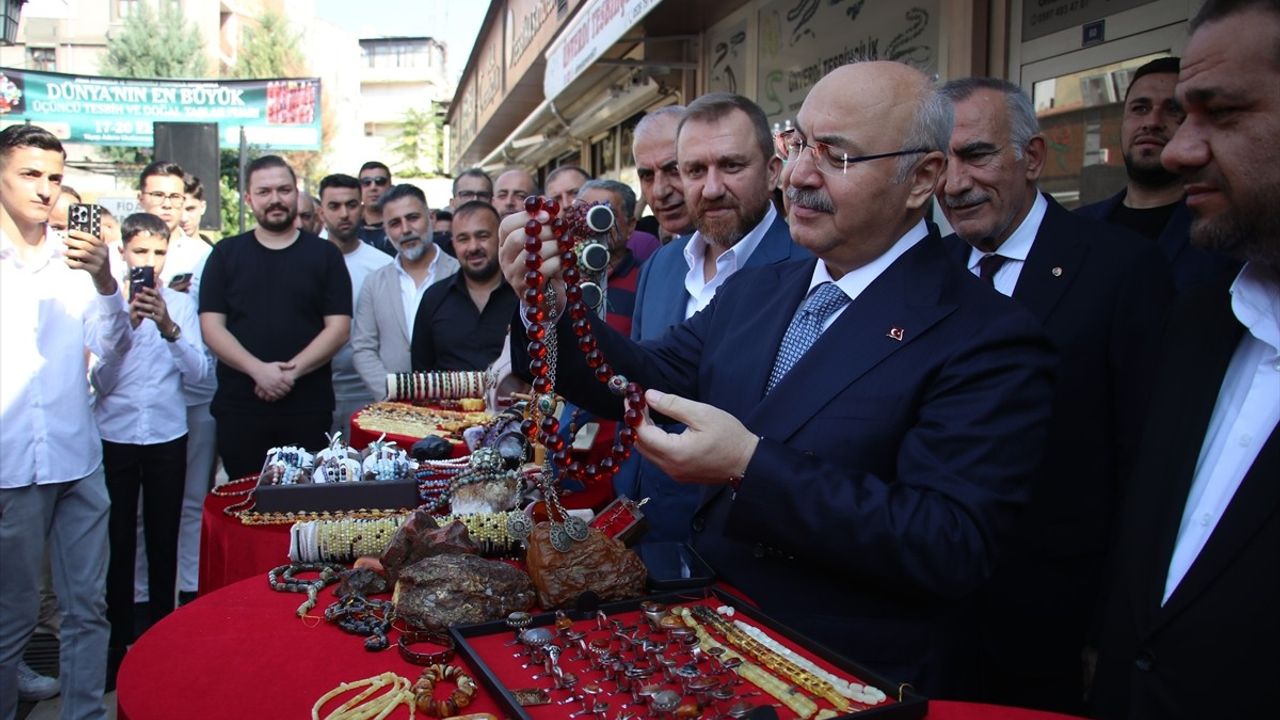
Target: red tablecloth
pixel 241 652
pixel 232 551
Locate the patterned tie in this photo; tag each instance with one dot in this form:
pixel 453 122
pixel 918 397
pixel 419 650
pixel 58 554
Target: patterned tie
pixel 805 328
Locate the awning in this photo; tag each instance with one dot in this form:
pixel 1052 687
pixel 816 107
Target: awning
pixel 596 27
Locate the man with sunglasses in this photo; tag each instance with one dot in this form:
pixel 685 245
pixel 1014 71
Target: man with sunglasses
pixel 863 424
pixel 375 178
pixel 1100 292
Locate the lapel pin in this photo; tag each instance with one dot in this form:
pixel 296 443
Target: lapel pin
pixel 896 333
pixel 1057 272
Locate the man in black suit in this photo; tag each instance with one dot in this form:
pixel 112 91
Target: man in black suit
pixel 1100 293
pixel 1192 623
pixel 1151 203
pixel 864 424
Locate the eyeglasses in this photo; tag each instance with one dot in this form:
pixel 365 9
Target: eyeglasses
pixel 788 145
pixel 379 180
pixel 474 195
pixel 159 197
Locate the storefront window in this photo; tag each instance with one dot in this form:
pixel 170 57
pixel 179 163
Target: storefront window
pixel 1080 116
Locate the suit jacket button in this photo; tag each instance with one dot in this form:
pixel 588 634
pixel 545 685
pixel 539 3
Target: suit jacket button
pixel 758 551
pixel 698 524
pixel 1145 661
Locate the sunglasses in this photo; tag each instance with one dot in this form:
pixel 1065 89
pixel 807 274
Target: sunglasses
pixel 380 181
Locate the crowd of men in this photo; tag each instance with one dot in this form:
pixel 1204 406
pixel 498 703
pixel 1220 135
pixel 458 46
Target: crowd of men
pixel 1031 462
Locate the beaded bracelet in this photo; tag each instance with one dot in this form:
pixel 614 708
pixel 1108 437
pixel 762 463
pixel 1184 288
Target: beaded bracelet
pixel 413 637
pixel 424 689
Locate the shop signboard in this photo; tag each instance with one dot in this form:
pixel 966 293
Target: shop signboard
pixel 491 84
pixel 278 113
pixel 1043 17
pixel 802 40
pixel 727 64
pixel 530 26
pixel 596 27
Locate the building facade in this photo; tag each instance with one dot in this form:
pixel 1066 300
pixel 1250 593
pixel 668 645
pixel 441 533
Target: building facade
pixel 551 82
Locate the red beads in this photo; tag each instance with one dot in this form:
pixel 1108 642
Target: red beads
pixel 533 204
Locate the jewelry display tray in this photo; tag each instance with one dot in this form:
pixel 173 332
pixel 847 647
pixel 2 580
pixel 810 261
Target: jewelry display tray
pixel 337 497
pixel 485 646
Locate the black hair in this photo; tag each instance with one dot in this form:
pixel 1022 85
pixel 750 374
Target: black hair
pixel 143 222
pixel 161 167
pixel 16 136
pixel 474 206
pixel 338 180
pixel 1159 66
pixel 401 191
pixel 264 162
pixel 192 186
pixel 375 165
pixel 472 172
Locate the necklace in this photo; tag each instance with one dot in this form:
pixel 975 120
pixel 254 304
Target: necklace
pixel 540 424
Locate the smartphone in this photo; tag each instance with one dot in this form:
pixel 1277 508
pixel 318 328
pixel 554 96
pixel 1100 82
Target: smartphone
pixel 141 277
pixel 180 277
pixel 85 218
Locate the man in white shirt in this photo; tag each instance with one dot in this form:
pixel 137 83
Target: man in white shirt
pixel 341 209
pixel 176 197
pixel 725 185
pixel 388 302
pixel 144 432
pixel 52 487
pixel 1193 606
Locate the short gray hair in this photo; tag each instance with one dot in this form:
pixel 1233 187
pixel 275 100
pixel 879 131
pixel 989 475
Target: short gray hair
pixel 930 128
pixel 1023 124
pixel 622 189
pixel 674 112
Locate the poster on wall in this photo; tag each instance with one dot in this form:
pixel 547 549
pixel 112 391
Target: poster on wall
pixel 727 65
pixel 802 40
pixel 281 114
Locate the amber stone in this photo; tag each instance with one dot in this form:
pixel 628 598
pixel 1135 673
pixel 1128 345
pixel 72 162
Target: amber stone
pixel 551 206
pixel 542 384
pixel 537 350
pixel 533 227
pixel 571 273
pixel 534 279
pixel 532 244
pixel 534 296
pixel 532 260
pixel 534 314
pixel 536 331
pixel 604 372
pixel 587 343
pixel 558 226
pixel 533 204
pixel 594 359
pixel 539 367
pixel 636 400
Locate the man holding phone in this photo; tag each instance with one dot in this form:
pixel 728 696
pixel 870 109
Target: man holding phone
pixel 52 488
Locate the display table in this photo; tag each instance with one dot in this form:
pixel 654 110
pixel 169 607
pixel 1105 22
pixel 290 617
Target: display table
pixel 241 652
pixel 232 551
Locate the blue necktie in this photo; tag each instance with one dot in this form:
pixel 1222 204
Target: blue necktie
pixel 805 328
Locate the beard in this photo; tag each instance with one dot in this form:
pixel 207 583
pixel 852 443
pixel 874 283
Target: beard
pixel 725 232
pixel 415 253
pixel 1249 230
pixel 289 217
pixel 485 272
pixel 1148 172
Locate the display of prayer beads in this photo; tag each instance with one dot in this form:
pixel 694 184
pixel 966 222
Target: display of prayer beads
pixel 424 386
pixel 343 539
pixel 664 662
pixel 396 418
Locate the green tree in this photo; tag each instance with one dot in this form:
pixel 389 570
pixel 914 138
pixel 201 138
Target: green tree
pixel 419 143
pixel 155 46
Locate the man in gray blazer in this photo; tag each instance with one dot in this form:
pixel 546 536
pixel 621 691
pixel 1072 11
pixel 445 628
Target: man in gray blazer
pixel 388 302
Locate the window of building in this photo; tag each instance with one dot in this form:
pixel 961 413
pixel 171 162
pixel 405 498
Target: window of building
pixel 42 58
pixel 396 55
pixel 124 8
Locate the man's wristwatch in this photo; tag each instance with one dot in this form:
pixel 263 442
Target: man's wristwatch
pixel 177 333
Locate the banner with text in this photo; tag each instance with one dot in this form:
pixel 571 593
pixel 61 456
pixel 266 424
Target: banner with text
pixel 280 114
pixel 802 40
pixel 596 27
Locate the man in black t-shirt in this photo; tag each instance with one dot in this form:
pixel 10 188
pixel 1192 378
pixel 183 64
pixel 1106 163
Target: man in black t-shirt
pixel 1152 202
pixel 275 305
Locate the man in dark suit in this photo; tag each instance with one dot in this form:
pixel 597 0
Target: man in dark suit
pixel 857 489
pixel 1100 293
pixel 736 227
pixel 1151 203
pixel 1192 624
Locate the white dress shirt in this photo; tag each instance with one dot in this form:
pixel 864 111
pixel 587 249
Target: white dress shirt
pixel 1014 249
pixel 138 397
pixel 855 281
pixel 410 292
pixel 186 255
pixel 729 262
pixel 51 314
pixel 1244 416
pixel 347 384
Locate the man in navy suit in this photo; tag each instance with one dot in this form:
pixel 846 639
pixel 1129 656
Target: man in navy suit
pixel 1151 203
pixel 724 190
pixel 1192 623
pixel 1100 292
pixel 857 490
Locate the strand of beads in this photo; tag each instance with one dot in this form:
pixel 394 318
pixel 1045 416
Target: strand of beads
pixel 857 692
pixel 282 579
pixel 362 706
pixel 540 424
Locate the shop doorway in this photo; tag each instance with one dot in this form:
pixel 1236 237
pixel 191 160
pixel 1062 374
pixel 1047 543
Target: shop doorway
pixel 1079 98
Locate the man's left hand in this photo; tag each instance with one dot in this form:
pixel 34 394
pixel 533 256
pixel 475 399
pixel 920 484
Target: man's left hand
pixel 713 448
pixel 89 253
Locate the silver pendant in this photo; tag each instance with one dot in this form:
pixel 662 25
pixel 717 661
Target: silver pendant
pixel 576 528
pixel 519 526
pixel 559 538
